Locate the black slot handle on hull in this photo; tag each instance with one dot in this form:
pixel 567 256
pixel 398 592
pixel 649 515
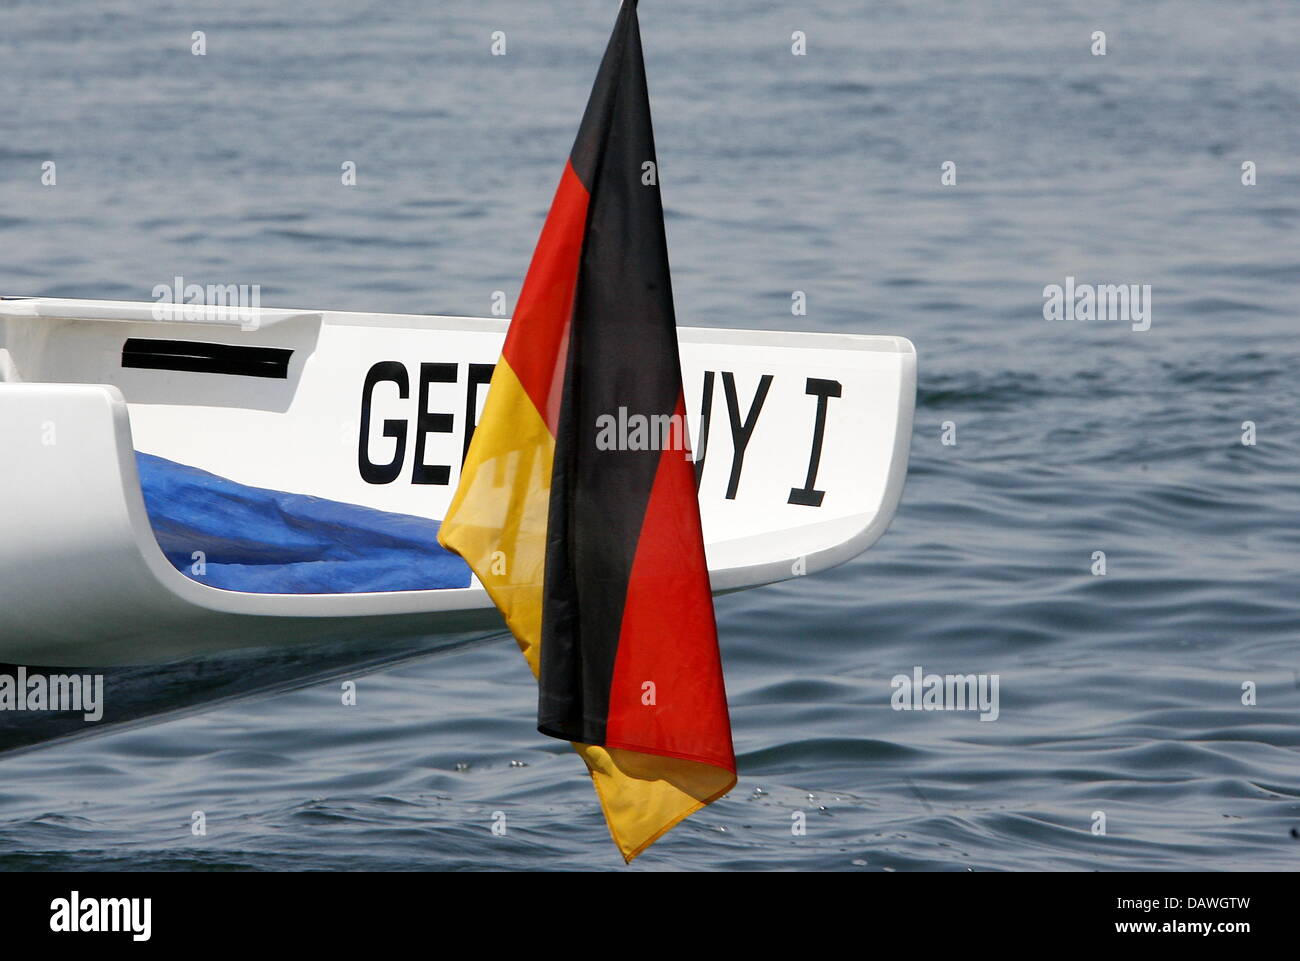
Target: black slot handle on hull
pixel 200 357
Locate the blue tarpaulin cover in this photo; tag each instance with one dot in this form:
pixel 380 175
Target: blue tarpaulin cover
pixel 269 542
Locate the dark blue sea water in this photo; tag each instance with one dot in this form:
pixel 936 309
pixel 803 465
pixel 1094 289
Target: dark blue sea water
pixel 1120 693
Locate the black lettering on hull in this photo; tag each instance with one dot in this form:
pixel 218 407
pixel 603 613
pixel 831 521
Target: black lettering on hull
pixel 479 374
pixel 372 473
pixel 706 414
pixel 427 423
pixel 823 390
pixel 741 431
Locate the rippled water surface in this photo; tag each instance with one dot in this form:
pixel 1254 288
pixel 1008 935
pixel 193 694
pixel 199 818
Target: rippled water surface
pixel 1119 693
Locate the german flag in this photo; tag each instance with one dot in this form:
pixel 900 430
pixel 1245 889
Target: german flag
pixel 576 506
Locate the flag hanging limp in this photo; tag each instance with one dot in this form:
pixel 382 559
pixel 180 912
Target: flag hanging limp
pixel 584 530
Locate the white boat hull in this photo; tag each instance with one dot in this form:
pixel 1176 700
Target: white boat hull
pixel 83 581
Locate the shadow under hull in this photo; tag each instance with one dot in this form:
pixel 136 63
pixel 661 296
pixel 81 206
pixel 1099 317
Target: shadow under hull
pixel 146 694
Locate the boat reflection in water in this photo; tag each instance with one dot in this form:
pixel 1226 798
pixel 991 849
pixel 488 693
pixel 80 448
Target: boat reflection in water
pixel 138 695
